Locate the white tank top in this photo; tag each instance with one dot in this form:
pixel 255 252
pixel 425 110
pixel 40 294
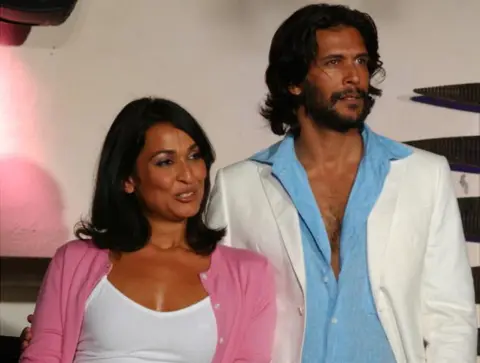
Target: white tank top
pixel 118 330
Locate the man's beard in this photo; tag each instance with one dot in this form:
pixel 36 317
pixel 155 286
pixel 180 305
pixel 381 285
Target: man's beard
pixel 323 113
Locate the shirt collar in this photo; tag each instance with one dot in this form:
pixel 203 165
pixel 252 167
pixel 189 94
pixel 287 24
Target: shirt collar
pixel 283 152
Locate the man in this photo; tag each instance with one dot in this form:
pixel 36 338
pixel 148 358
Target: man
pixel 364 232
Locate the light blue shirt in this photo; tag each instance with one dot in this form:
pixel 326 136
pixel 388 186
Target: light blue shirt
pixel 342 325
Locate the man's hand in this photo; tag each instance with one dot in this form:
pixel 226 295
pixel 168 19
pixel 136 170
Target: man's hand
pixel 26 334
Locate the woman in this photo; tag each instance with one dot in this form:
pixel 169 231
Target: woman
pixel 146 281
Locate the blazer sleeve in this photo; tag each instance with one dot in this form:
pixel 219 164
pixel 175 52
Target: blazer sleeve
pixel 47 329
pixel 258 340
pixel 217 208
pixel 448 295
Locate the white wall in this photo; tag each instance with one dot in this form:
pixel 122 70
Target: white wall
pixel 60 91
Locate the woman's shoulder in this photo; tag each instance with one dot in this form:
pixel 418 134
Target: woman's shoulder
pixel 77 258
pixel 243 258
pixel 249 271
pixel 77 250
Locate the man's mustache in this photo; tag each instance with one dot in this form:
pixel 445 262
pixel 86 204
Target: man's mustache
pixel 356 93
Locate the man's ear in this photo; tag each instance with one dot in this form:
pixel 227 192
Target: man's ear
pixel 129 185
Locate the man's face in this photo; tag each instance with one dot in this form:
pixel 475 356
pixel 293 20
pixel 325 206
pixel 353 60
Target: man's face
pixel 335 90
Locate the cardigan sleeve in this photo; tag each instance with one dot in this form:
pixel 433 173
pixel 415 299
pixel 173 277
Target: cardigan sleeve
pixel 47 327
pixel 259 335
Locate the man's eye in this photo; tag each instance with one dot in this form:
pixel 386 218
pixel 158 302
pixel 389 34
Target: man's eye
pixel 333 62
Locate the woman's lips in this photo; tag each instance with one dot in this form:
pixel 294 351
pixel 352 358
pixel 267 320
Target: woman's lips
pixel 186 197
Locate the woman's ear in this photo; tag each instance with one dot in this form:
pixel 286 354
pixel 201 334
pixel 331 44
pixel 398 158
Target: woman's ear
pixel 295 90
pixel 129 186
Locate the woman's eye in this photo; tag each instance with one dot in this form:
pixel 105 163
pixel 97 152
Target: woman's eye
pixel 163 162
pixel 196 156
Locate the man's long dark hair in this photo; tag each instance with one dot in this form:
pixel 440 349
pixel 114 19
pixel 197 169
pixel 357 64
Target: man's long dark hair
pixel 117 219
pixel 293 50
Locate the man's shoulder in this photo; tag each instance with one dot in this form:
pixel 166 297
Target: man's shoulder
pixel 246 166
pixel 411 155
pixel 252 165
pixel 422 170
pixel 243 171
pixel 425 161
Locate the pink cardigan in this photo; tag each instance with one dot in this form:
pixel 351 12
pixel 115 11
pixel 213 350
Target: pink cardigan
pixel 240 284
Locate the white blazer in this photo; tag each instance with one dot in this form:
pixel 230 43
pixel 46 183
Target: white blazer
pixel 418 267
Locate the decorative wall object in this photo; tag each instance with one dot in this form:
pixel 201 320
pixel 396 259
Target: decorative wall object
pixel 462 153
pixel 462 97
pixel 21 277
pixel 476 283
pixel 470 212
pixel 466 94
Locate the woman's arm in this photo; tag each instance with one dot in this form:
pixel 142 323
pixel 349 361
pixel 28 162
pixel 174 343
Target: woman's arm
pixel 45 345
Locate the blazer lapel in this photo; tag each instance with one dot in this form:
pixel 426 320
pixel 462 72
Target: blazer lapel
pixel 286 217
pixel 379 226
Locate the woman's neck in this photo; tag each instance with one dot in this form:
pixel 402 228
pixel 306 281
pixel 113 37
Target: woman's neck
pixel 166 235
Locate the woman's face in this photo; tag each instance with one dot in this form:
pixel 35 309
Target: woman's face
pixel 170 174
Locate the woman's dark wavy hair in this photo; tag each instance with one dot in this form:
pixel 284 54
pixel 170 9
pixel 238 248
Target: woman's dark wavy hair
pixel 293 50
pixel 117 220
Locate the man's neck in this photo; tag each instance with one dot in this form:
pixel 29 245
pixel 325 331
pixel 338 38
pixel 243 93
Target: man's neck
pixel 319 148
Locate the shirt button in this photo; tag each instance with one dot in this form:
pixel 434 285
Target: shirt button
pixel 217 306
pixel 220 340
pixel 334 321
pixel 203 276
pixel 325 279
